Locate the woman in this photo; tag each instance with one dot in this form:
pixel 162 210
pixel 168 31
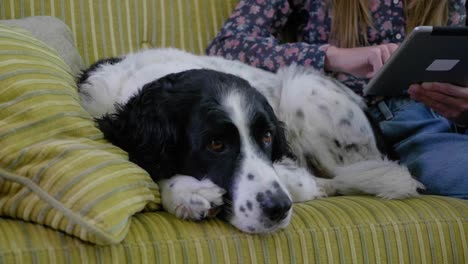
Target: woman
pixel 352 40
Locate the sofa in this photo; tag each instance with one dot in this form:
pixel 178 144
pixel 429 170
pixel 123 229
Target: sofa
pixel 69 196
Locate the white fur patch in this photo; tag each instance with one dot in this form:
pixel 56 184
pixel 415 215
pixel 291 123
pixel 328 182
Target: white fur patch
pixel 256 174
pixel 382 178
pixel 325 121
pixel 302 185
pixel 189 198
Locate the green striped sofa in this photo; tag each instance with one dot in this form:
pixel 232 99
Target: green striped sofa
pixel 48 212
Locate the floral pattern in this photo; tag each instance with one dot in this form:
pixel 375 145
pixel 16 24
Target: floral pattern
pixel 252 33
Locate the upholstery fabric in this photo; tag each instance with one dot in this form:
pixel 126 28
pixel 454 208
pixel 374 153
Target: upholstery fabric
pixel 351 229
pixel 55 167
pixel 105 28
pixel 428 229
pixel 55 34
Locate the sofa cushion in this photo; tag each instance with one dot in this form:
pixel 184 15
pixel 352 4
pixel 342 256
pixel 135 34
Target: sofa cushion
pixel 103 29
pixel 352 229
pixel 56 169
pixel 55 34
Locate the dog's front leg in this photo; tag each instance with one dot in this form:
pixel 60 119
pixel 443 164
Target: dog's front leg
pixel 301 184
pixel 189 198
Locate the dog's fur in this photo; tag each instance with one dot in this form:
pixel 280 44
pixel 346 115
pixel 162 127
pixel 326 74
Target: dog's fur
pixel 165 106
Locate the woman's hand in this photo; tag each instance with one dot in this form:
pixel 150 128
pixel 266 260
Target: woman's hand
pixel 360 62
pixel 448 100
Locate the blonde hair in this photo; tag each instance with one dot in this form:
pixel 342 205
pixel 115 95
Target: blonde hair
pixel 351 19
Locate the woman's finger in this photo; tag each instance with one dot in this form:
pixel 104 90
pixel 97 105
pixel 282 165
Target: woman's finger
pixel 392 47
pixel 374 59
pixel 448 89
pixel 436 94
pixel 447 106
pixel 385 52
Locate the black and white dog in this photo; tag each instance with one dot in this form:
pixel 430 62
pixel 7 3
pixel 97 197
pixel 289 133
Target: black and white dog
pixel 207 130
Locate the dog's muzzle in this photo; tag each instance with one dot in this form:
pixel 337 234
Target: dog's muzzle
pixel 275 206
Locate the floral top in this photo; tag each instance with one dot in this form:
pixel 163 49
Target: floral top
pixel 252 31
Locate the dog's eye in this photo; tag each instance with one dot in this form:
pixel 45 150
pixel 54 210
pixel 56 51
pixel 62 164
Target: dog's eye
pixel 216 145
pixel 267 138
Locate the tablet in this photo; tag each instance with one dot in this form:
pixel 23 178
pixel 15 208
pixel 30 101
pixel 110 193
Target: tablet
pixel 428 54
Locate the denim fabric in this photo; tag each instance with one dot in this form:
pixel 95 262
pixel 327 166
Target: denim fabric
pixel 434 148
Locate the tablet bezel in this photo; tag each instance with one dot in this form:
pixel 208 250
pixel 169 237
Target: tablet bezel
pixel 375 86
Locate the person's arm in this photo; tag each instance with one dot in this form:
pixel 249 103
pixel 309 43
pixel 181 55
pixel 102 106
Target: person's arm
pixel 250 35
pixel 360 62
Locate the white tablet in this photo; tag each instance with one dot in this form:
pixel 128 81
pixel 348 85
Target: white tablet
pixel 428 54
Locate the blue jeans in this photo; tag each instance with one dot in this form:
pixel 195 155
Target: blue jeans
pixel 434 148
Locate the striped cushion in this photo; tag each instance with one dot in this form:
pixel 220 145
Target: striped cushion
pixel 55 167
pixel 104 28
pixel 428 229
pixel 55 34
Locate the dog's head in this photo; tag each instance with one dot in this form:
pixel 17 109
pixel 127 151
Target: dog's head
pixel 208 124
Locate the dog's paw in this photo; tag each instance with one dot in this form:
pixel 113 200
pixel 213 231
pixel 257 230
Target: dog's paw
pixel 326 186
pixel 189 198
pixel 316 194
pixel 301 185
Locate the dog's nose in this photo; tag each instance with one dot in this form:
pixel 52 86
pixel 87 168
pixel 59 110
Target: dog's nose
pixel 275 206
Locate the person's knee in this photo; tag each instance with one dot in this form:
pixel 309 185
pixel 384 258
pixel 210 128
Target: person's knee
pixel 440 181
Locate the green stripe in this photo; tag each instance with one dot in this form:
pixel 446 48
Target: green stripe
pixel 128 252
pixel 440 207
pixel 266 254
pixel 23 48
pixel 65 211
pixel 77 179
pixel 6 75
pixel 171 24
pixel 188 15
pixel 154 34
pixel 137 22
pixel 146 224
pixel 211 245
pixel 50 142
pixel 303 214
pixel 84 35
pixel 292 254
pixel 125 41
pixel 96 200
pixel 44 121
pixel 119 16
pixel 19 197
pixel 425 207
pixel 152 233
pixel 2 11
pixel 103 30
pixel 329 215
pixel 42 8
pixel 29 244
pixel 63 14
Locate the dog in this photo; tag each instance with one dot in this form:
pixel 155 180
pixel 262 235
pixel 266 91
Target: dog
pixel 227 139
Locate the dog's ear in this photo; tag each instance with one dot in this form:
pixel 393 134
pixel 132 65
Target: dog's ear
pixel 281 147
pixel 150 126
